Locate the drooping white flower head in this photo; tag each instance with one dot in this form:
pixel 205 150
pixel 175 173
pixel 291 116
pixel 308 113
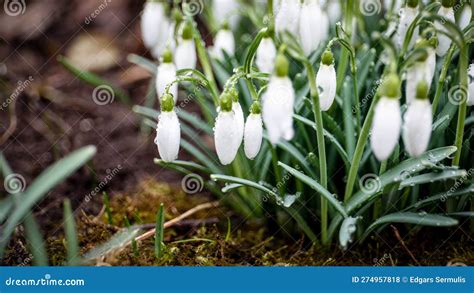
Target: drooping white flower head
pixel 240 123
pixel 387 119
pixel 224 41
pixel 421 70
pixel 444 42
pixel 168 131
pixel 186 50
pixel 287 17
pixel 278 102
pixel 165 75
pixel 465 17
pixel 226 11
pixel 326 81
pixel 418 122
pixel 407 16
pixel 154 24
pixel 253 132
pixel 265 56
pixel 313 26
pixel 225 131
pixel 470 93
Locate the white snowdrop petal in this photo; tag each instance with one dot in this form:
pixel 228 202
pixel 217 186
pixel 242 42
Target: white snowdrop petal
pixel 240 123
pixel 465 17
pixel 470 93
pixel 420 71
pixel 418 123
pixel 224 41
pixel 168 136
pixel 287 17
pixel 226 10
pixel 407 15
pixel 265 56
pixel 225 134
pixel 385 127
pixel 444 42
pixel 185 55
pixel 253 135
pixel 313 26
pixel 326 81
pixel 277 109
pixel 165 75
pixel 151 23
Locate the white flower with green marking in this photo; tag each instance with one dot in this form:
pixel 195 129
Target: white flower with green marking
pixel 313 26
pixel 326 81
pixel 168 131
pixel 447 13
pixel 265 56
pixel 407 16
pixel 165 75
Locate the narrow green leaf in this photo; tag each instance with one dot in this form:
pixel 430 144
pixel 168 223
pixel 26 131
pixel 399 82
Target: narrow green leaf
pixel 115 242
pixel 147 64
pixel 432 177
pixel 35 241
pixel 317 187
pixel 422 219
pixel 184 164
pixel 451 193
pixel 94 80
pixel 71 235
pixel 108 212
pixel 47 180
pixel 159 230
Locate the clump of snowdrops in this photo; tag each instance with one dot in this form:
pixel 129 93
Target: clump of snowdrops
pixel 348 115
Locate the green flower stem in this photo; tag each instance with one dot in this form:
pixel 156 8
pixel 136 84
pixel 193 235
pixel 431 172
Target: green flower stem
pixel 463 82
pixel 206 65
pixel 442 79
pixel 321 147
pixel 359 151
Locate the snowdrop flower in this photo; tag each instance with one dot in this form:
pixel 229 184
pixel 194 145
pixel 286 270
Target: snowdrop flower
pixel 347 230
pixel 225 10
pixel 446 11
pixel 165 75
pixel 421 70
pixel 387 119
pixel 223 42
pixel 225 132
pixel 465 17
pixel 470 93
pixel 239 116
pixel 278 102
pixel 407 16
pixel 168 131
pixel 265 56
pixel 418 122
pixel 313 26
pixel 287 16
pixel 253 132
pixel 326 81
pixel 154 24
pixel 186 50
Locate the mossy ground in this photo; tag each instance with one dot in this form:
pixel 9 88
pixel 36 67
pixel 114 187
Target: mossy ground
pixel 218 237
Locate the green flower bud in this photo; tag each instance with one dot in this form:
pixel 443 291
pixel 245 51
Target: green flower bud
pixel 255 108
pixel 234 94
pixel 412 3
pixel 187 31
pixel 167 103
pixel 422 90
pixel 177 15
pixel 391 87
pixel 282 65
pixel 167 56
pixel 327 58
pixel 447 3
pixel 433 41
pixel 225 26
pixel 225 102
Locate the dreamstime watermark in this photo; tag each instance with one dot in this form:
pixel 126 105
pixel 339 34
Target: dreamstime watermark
pixel 370 7
pixel 370 183
pixel 457 95
pixel 111 173
pixel 367 97
pixel 97 11
pixel 378 262
pixel 44 281
pixel 192 7
pixel 22 85
pixel 14 7
pixel 103 95
pixel 457 185
pixel 14 183
pixel 192 183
